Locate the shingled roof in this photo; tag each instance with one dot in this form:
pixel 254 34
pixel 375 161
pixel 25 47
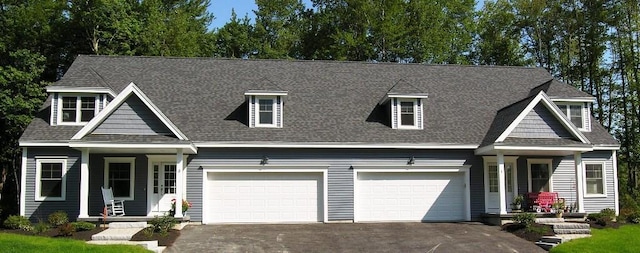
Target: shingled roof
pixel 327 101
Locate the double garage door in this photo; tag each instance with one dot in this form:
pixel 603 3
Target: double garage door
pixel 272 197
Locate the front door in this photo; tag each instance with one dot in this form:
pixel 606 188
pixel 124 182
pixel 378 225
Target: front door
pixel 493 198
pixel 164 187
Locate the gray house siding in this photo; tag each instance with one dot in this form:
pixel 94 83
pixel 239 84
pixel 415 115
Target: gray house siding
pixel 540 123
pixel 563 178
pixel 340 173
pixel 40 210
pixel 133 117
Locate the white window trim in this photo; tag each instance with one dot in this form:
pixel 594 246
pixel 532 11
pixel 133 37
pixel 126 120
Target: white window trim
pixel 549 162
pixel 416 124
pixel 565 107
pixel 132 173
pixel 39 162
pixel 274 102
pixel 604 179
pixel 77 122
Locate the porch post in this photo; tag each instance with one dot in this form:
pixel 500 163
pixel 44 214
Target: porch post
pixel 84 184
pixel 502 189
pixel 179 168
pixel 577 158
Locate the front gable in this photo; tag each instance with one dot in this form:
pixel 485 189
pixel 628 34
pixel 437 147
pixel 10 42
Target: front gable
pixel 540 123
pixel 130 113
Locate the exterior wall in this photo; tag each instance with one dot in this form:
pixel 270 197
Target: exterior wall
pixel 40 210
pixel 340 165
pixel 540 123
pixel 133 117
pixel 563 179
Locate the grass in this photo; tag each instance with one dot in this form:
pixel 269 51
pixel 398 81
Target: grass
pixel 623 239
pixel 26 243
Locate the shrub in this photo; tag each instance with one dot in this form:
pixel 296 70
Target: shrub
pixel 58 218
pixel 634 218
pixel 162 224
pixel 525 219
pixel 594 216
pixel 609 213
pixel 66 229
pixel 82 226
pixel 18 222
pixel 40 227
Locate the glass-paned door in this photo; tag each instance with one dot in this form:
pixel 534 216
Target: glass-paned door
pixel 164 186
pixel 493 198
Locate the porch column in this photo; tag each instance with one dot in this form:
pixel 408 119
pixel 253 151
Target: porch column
pixel 179 196
pixel 84 184
pixel 502 188
pixel 577 158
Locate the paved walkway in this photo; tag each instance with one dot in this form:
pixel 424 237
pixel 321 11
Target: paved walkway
pixel 358 237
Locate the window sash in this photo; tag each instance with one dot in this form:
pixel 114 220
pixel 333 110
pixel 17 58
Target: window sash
pixel 50 179
pixel 407 113
pixel 119 178
pixel 540 177
pixel 77 109
pixel 594 177
pixel 265 111
pixel 575 114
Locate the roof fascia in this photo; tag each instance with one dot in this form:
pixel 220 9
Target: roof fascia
pixel 542 97
pixel 265 93
pixel 188 146
pixel 43 144
pixel 574 99
pixel 117 102
pixel 332 145
pixel 67 89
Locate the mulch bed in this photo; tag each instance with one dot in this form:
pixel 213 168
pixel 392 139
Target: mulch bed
pixel 163 240
pixel 528 234
pixel 615 225
pixel 53 232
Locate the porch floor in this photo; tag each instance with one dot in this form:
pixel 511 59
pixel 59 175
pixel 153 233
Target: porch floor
pixel 127 218
pixel 497 219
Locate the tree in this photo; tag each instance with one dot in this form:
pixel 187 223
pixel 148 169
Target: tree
pixel 498 41
pixel 278 28
pixel 234 40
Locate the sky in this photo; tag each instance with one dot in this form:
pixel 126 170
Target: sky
pixel 221 10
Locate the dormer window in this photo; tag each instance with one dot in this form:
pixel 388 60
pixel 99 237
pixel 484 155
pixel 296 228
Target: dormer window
pixel 577 112
pixel 265 108
pixel 408 116
pixel 77 109
pixel 406 110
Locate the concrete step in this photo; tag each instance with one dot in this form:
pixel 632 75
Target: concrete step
pixel 570 225
pixel 551 239
pixel 545 245
pixel 549 220
pixel 116 234
pixel 572 231
pixel 569 237
pixel 137 224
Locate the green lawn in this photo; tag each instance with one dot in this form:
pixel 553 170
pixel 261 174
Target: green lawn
pixel 26 243
pixel 624 239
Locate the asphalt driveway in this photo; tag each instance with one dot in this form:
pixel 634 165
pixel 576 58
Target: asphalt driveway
pixel 358 237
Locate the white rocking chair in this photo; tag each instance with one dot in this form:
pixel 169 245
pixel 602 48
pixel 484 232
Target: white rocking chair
pixel 113 206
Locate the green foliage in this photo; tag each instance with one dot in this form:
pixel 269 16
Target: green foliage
pixel 83 226
pixel 66 229
pixel 525 219
pixel 58 218
pixel 40 227
pixel 608 212
pixel 623 239
pixel 162 224
pixel 28 243
pixel 18 222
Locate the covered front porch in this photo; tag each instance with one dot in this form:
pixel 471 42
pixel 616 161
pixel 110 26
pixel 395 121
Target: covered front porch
pixel 150 178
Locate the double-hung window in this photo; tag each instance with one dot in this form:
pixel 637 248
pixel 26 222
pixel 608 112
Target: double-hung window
pixel 266 115
pixel 119 176
pixel 594 178
pixel 575 113
pixel 50 179
pixel 77 109
pixel 407 111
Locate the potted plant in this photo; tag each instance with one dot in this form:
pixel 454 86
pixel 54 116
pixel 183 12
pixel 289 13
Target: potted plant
pixel 516 204
pixel 558 208
pixel 185 206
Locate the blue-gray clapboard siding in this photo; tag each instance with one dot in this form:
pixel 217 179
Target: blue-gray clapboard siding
pixel 132 117
pixel 338 163
pixel 540 123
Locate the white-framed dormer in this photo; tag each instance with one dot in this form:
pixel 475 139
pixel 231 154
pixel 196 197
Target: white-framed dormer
pixel 265 108
pixel 76 105
pixel 577 110
pixel 406 110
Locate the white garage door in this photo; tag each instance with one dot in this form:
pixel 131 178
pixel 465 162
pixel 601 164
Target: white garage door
pixel 263 197
pixel 413 196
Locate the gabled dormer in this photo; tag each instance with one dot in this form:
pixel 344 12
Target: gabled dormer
pixel 405 103
pixel 265 108
pixel 578 110
pixel 77 105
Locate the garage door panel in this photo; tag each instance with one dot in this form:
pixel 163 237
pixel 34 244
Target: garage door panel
pixel 414 196
pixel 263 197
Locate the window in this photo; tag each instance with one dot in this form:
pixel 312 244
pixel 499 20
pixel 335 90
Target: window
pixel 119 176
pixel 574 112
pixel 594 177
pixel 493 176
pixel 50 179
pixel 539 175
pixel 407 111
pixel 265 111
pixel 77 109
